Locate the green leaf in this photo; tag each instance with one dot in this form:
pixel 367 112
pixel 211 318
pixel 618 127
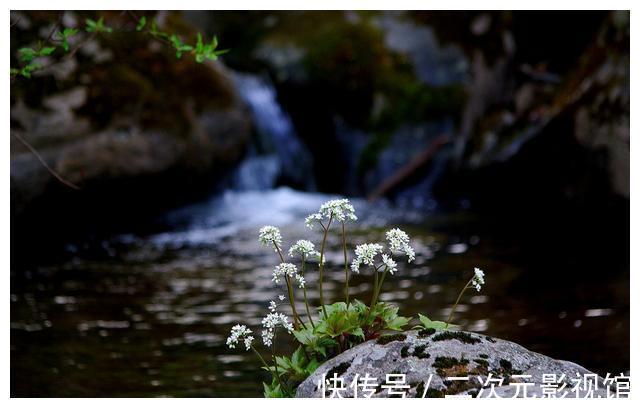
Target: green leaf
pixel 358 332
pixel 312 366
pixel 97 26
pixel 141 23
pixel 69 32
pixel 65 35
pixel 397 323
pixel 273 390
pixel 432 324
pixel 47 50
pixel 27 54
pixel 91 25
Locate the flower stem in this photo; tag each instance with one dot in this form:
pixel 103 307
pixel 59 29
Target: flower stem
pixel 377 284
pixel 304 291
pixel 296 318
pixel 346 268
pixel 275 366
pixel 453 309
pixel 324 241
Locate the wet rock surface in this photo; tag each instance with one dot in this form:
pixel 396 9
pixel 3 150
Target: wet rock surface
pixel 430 360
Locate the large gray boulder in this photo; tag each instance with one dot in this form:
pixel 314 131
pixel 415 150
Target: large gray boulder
pixel 472 358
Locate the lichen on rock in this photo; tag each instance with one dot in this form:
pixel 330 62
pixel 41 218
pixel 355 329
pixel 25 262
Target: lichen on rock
pixel 431 365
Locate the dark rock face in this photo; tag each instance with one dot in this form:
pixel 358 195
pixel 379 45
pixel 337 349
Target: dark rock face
pixel 441 356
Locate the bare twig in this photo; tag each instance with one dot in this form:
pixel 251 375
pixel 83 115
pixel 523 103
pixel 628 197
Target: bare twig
pixel 46 166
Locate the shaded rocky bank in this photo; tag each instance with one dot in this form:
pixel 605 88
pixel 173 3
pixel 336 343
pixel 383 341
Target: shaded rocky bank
pixel 124 128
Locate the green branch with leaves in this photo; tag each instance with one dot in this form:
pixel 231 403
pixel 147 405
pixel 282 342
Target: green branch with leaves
pixel 28 56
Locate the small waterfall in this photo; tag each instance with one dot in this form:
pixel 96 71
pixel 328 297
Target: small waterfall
pixel 278 153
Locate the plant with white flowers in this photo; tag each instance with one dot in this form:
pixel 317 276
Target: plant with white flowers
pixel 339 326
pixel 476 281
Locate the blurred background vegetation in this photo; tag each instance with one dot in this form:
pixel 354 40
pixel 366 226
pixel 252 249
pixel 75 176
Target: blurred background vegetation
pixel 508 126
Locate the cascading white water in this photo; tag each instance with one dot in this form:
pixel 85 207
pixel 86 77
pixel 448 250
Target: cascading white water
pixel 277 152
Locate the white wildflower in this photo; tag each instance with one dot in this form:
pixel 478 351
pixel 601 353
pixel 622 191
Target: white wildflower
pixel 341 210
pixel 247 342
pixel 271 323
pixel 273 306
pixel 399 242
pixel 478 279
pixel 270 235
pixel 267 337
pixel 304 248
pixel 238 332
pixel 312 219
pixel 284 269
pixel 389 263
pixel 281 297
pixel 301 281
pixel 365 254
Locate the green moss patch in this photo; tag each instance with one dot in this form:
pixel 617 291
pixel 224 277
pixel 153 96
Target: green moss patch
pixel 426 332
pixel 453 335
pixel 391 337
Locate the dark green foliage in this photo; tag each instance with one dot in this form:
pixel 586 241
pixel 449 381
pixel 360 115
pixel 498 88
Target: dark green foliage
pixel 452 335
pixel 490 339
pixel 485 356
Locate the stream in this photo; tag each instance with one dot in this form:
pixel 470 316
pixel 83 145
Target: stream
pixel 148 315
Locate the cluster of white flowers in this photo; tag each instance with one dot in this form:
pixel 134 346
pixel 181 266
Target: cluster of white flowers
pixel 389 263
pixel 301 281
pixel 340 210
pixel 240 332
pixel 478 279
pixel 304 248
pixel 399 242
pixel 365 254
pixel 284 269
pixel 270 323
pixel 312 219
pixel 270 235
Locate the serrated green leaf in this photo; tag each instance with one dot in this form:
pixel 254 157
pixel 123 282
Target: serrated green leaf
pixel 432 324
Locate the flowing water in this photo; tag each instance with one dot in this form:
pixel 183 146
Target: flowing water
pixel 148 314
